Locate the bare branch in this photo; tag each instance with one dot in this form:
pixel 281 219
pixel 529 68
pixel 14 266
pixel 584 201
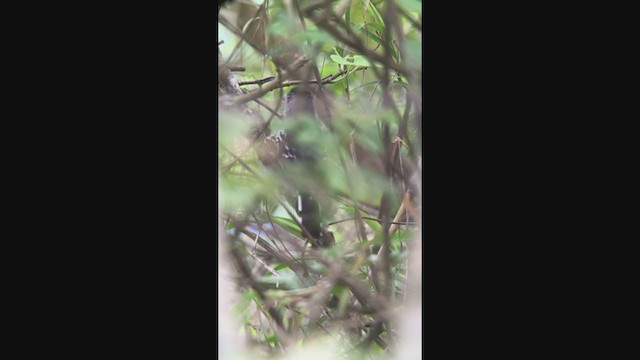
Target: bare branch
pixel 256 82
pixel 374 219
pixel 353 41
pixel 326 80
pixel 413 22
pixel 272 85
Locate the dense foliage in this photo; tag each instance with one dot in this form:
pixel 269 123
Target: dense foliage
pixel 362 61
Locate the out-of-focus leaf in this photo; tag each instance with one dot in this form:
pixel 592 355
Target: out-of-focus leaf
pixel 347 14
pixel 287 279
pixel 340 60
pixel 288 224
pixel 281 24
pixel 343 294
pixel 411 5
pixel 361 60
pixel 338 180
pixel 378 27
pixel 356 60
pixel 236 195
pixel 272 339
pixel 373 224
pixel 374 37
pixel 317 266
pixel 413 51
pixel 250 294
pixel 232 126
pixel 252 331
pixel 280 266
pixel 312 35
pixel 372 9
pixel 402 235
pixel 369 138
pixel 230 225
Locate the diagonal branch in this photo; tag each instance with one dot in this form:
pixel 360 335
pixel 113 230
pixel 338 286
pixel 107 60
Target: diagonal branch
pixel 321 20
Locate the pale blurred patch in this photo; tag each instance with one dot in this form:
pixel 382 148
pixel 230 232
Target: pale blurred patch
pixel 409 346
pixel 230 341
pixel 320 348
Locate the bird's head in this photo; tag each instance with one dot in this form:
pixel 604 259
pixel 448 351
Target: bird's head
pixel 299 102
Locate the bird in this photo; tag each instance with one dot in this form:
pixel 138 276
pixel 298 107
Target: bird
pixel 283 151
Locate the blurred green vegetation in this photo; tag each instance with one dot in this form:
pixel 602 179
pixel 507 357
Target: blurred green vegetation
pixel 256 202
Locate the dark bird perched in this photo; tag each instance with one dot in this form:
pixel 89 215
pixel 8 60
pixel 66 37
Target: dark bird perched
pixel 283 151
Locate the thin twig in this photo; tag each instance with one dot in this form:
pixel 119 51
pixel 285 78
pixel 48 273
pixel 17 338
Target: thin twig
pixel 263 130
pixel 258 177
pixel 256 82
pixel 374 219
pixel 267 107
pixel 272 85
pixel 351 41
pixel 327 79
pixel 411 20
pixel 260 290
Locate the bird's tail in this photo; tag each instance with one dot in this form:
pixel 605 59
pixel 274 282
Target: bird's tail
pixel 309 211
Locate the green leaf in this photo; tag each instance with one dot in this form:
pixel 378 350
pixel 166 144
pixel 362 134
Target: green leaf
pixel 317 266
pixel 252 331
pixel 280 267
pixel 347 15
pixel 373 224
pixel 288 224
pixel 250 294
pixel 230 225
pixel 356 60
pixel 367 28
pixel 340 60
pixel 236 193
pixel 314 36
pixel 361 61
pixel 232 125
pixel 374 11
pixel 379 27
pixel 338 289
pixel 287 279
pixel 343 300
pixel 401 236
pixel 411 5
pixel 272 340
